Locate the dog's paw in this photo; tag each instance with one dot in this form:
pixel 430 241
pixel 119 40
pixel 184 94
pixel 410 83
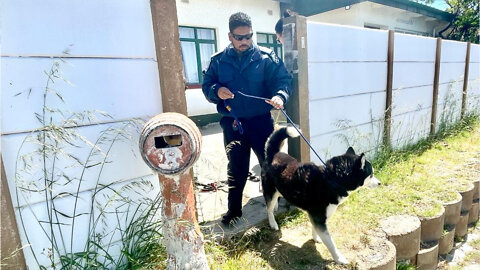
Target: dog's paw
pixel 274 226
pixel 341 260
pixel 317 239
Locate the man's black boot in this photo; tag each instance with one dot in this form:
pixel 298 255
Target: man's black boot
pixel 231 217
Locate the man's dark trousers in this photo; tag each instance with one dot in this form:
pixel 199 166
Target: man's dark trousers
pixel 237 146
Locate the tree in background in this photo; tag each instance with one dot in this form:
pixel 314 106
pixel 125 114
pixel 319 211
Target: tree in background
pixel 465 24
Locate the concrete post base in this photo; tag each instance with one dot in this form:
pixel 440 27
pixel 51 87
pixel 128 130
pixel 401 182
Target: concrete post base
pixel 461 226
pixel 404 233
pixel 467 198
pixel 446 242
pixel 452 210
pixel 473 213
pixel 476 189
pixel 432 227
pixel 427 258
pixel 380 254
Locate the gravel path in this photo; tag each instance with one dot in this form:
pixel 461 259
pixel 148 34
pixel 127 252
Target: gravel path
pixel 459 257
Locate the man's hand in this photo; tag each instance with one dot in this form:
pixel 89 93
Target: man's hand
pixel 224 93
pixel 276 102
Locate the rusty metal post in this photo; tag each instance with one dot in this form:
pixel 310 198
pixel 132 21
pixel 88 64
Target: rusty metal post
pixel 436 76
pixel 11 253
pixel 388 103
pixel 170 143
pixel 465 81
pixel 169 56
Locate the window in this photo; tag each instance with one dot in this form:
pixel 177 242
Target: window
pixel 375 26
pixel 270 41
pixel 197 44
pixel 411 32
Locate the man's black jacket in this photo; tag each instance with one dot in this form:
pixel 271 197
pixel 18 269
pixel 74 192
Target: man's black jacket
pixel 259 72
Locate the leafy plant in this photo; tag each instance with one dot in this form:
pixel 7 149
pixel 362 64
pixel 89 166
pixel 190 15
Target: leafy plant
pixel 466 21
pixel 405 266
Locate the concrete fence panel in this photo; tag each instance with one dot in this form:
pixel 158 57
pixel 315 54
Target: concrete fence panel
pixel 123 164
pixel 452 69
pixel 108 63
pixel 107 224
pixel 333 42
pixel 84 28
pixel 347 78
pixel 347 81
pixel 123 88
pixel 413 71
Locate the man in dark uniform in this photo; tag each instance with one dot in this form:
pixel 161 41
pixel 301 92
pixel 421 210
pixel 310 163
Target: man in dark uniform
pixel 244 68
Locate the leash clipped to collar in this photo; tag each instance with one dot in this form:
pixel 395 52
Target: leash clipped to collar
pixel 291 122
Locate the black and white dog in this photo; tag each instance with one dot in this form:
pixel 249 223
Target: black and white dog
pixel 315 189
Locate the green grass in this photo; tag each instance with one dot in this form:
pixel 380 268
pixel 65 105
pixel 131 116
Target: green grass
pixel 416 180
pixel 405 266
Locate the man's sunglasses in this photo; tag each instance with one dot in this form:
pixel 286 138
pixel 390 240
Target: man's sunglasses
pixel 241 37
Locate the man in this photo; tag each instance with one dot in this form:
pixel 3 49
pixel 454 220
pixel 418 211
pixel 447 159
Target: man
pixel 244 68
pixel 279 25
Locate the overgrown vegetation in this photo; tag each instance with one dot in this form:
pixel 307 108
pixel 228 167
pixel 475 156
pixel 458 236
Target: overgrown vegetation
pixel 416 180
pixel 465 23
pixel 64 196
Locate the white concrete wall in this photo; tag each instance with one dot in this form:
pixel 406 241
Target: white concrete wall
pixel 215 14
pixel 347 79
pixel 452 69
pixel 347 72
pixel 413 71
pixel 385 17
pixel 110 66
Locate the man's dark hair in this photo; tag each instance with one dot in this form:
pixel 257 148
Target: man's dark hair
pixel 239 19
pixel 279 26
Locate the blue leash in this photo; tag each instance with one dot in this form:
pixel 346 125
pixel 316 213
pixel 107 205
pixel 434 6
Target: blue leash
pixel 289 120
pixel 237 125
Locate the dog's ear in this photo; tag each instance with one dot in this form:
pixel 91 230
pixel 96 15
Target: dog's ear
pixel 361 161
pixel 350 151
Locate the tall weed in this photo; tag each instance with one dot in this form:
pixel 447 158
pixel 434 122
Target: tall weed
pixel 88 220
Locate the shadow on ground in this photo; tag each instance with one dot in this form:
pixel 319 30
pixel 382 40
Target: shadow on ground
pixel 254 214
pixel 279 253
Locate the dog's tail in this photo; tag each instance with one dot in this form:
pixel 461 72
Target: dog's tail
pixel 274 142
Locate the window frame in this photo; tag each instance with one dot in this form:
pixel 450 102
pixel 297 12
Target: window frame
pixel 278 48
pixel 197 43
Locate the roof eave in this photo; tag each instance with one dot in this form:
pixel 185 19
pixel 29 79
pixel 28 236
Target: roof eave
pixel 313 7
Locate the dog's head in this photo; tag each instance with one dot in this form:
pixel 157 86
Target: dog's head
pixel 353 170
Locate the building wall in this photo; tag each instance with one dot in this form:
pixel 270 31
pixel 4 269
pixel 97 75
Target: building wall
pixel 381 16
pixel 206 13
pixel 99 55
